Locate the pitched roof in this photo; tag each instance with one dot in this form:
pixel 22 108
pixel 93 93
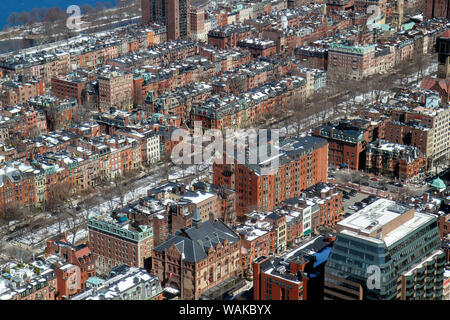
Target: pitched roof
pixel 440 85
pixel 194 243
pixel 446 34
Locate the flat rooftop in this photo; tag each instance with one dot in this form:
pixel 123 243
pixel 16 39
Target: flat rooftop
pixel 374 216
pixel 378 214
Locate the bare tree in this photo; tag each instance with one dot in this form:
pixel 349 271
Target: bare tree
pixel 110 202
pixel 404 193
pixel 58 197
pixel 167 165
pixel 419 63
pixel 238 84
pixel 122 185
pixel 19 254
pixel 13 18
pixel 24 18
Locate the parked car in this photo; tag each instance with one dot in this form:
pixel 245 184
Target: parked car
pixel 359 204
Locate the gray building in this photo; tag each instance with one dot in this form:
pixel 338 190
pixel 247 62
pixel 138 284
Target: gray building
pixel 386 251
pixel 124 283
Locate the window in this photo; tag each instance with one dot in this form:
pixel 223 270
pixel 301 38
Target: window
pixel 211 275
pixel 218 271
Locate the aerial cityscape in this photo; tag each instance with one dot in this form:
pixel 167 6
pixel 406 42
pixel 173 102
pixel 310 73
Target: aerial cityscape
pixel 246 150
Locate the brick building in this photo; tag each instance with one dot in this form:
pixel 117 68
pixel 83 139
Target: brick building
pixel 199 260
pixel 423 126
pixel 436 9
pixel 14 93
pixel 116 241
pixel 444 225
pixel 394 160
pixel 296 275
pixel 302 163
pixel 80 256
pixel 68 278
pixel 329 199
pixel 226 201
pixel 313 57
pixel 72 86
pixel 198 30
pixel 17 186
pixel 174 14
pixel 257 239
pixel 124 283
pixel 258 47
pixel 229 36
pixel 348 140
pixel 350 61
pixel 115 89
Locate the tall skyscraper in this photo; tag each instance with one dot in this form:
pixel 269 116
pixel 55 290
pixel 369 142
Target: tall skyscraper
pixel 443 50
pixel 174 14
pixel 441 83
pixel 397 16
pixel 385 251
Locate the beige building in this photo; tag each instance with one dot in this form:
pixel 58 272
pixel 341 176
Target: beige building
pixel 198 31
pixel 115 89
pixel 446 293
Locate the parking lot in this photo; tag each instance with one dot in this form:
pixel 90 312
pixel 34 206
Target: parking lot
pixel 392 186
pixel 349 204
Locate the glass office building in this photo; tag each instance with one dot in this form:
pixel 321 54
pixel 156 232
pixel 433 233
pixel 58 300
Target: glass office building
pixel 386 251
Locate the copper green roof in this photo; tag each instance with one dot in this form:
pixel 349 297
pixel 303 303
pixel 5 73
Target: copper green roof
pixel 438 184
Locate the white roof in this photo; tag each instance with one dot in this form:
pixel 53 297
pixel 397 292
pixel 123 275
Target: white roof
pixel 201 196
pixel 373 217
pixel 379 213
pixel 408 227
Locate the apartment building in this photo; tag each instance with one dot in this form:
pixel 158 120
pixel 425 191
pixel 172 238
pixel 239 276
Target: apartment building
pixel 295 275
pixel 115 89
pixel 394 160
pixel 14 93
pixel 347 142
pixel 302 163
pixel 350 61
pixel 174 14
pixel 434 138
pixel 394 240
pixel 117 240
pixel 80 256
pixel 198 29
pixel 124 283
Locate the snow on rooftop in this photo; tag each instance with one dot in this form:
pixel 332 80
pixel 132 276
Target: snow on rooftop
pixel 406 228
pixel 374 216
pixel 201 196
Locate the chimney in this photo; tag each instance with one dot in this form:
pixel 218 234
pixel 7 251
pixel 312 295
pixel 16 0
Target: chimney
pixel 196 220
